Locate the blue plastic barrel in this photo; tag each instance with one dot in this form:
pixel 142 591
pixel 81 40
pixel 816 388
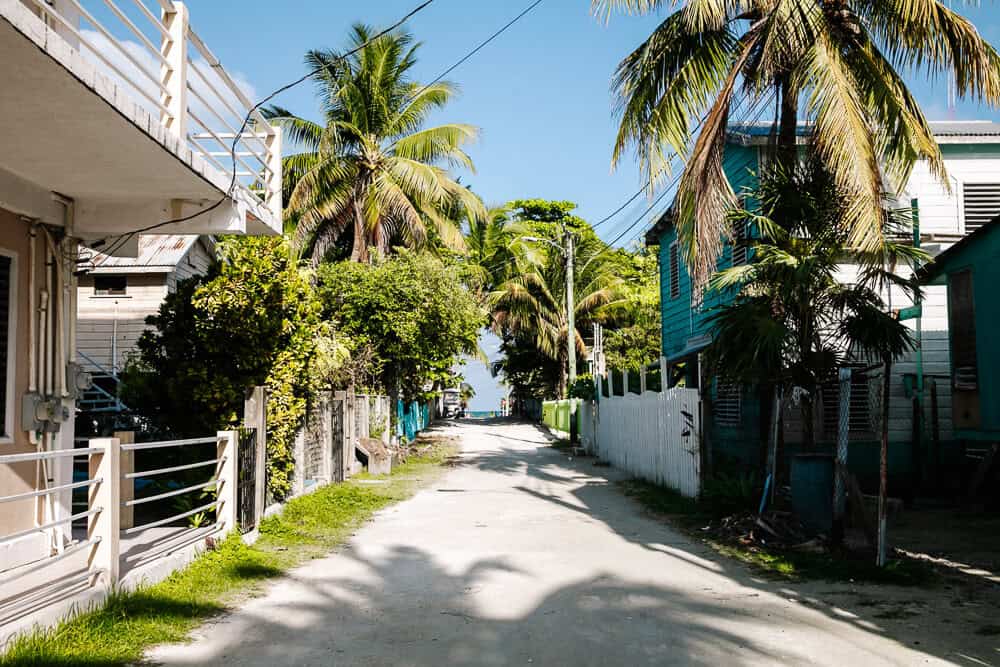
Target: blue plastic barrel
pixel 812 491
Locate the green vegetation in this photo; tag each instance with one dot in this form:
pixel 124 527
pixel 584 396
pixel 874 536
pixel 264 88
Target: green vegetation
pixel 793 321
pixel 128 623
pixel 253 320
pixel 700 521
pixel 843 65
pixel 372 174
pixel 523 270
pixel 410 315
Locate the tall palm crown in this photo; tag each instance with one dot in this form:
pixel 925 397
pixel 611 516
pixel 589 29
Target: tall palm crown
pixel 371 167
pixel 531 301
pixel 840 58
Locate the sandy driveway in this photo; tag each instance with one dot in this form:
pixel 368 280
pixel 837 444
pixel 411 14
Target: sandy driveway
pixel 520 555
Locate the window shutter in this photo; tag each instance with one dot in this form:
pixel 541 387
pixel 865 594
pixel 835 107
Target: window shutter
pixel 962 324
pixel 675 272
pixel 982 204
pixel 728 406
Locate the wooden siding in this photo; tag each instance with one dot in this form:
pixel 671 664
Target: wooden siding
pixel 683 320
pixel 941 211
pixel 103 318
pixel 195 263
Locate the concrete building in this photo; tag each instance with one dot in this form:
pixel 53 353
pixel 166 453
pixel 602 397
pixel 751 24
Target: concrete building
pixel 116 122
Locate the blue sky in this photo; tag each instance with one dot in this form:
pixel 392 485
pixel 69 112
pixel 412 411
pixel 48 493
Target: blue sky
pixel 540 93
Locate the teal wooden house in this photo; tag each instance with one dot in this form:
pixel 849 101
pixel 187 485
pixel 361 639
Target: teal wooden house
pixel 970 272
pixel 736 416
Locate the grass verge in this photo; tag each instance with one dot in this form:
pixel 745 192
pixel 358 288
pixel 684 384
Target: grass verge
pixel 699 520
pixel 126 624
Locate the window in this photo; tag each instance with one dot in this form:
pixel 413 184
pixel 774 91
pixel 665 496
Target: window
pixel 728 404
pixel 962 324
pixel 110 285
pixel 965 408
pixel 739 244
pixel 8 337
pixel 982 204
pixel 740 238
pixel 675 272
pixel 859 406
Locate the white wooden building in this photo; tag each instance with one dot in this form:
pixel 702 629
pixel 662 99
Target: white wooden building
pixel 115 297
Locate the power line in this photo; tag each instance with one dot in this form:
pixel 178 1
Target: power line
pixel 246 121
pixel 758 108
pixel 479 48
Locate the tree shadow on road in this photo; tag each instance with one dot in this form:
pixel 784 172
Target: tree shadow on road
pixel 573 483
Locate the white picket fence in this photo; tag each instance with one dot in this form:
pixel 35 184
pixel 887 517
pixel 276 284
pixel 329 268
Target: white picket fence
pixel 655 436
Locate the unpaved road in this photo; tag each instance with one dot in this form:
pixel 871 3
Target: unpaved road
pixel 520 555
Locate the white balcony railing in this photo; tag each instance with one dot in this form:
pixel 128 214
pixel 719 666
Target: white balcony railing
pixel 151 48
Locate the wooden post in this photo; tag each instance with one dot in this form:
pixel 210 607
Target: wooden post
pixel 273 196
pixel 173 75
pixel 664 377
pixel 226 480
pixel 624 382
pixel 255 417
pixel 104 525
pixel 127 485
pixel 642 380
pixel 935 434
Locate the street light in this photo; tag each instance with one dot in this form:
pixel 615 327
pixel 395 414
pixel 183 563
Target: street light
pixel 568 253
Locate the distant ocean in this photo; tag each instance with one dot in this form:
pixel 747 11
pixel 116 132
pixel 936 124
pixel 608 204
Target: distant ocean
pixel 483 414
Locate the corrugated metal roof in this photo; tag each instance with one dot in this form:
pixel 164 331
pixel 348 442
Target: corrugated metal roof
pixel 157 253
pixel 965 128
pixel 940 128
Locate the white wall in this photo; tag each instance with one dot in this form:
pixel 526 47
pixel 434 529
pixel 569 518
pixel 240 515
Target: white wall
pixel 941 211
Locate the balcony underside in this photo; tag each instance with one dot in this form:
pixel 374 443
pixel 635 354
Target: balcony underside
pixel 68 128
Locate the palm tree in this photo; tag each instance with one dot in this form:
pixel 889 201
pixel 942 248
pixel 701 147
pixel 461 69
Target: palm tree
pixel 495 247
pixel 841 58
pixel 371 168
pixel 792 322
pixel 530 304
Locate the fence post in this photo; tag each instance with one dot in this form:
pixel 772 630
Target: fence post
pixel 104 525
pixel 173 75
pixel 642 380
pixel 255 417
pixel 664 378
pixel 840 464
pixel 227 480
pixel 127 485
pixel 624 382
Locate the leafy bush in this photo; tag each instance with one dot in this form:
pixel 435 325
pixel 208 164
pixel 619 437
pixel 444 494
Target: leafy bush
pixel 253 320
pixel 412 314
pixel 583 387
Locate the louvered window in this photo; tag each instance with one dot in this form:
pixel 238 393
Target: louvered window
pixel 5 336
pixel 675 272
pixel 728 404
pixel 982 204
pixel 859 417
pixel 739 244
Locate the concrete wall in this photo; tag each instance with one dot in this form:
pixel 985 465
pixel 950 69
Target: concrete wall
pixel 18 478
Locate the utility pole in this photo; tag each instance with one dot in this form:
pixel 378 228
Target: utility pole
pixel 570 308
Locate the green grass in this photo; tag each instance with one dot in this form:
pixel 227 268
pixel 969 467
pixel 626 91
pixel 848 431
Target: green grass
pixel 121 629
pixel 693 516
